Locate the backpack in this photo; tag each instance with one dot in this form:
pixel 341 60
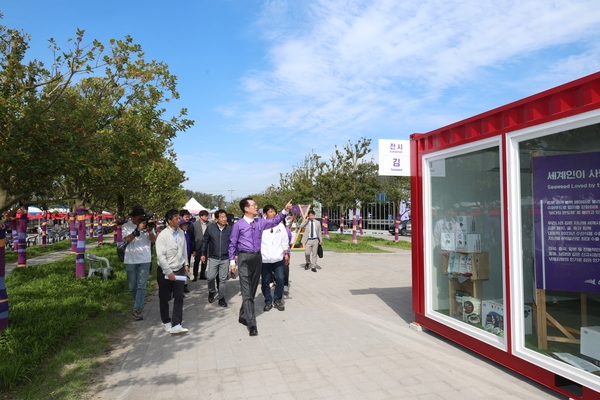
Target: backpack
pixel 121 251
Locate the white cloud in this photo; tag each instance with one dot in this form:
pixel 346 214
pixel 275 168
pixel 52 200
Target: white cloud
pixel 338 67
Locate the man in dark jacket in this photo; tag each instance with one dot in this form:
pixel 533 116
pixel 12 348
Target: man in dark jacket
pixel 215 244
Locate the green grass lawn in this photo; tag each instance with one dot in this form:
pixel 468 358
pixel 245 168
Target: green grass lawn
pixel 366 244
pixel 59 327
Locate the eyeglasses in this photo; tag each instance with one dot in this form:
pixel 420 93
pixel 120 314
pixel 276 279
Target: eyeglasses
pixel 253 205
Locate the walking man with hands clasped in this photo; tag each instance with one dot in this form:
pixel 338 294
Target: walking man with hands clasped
pixel 215 252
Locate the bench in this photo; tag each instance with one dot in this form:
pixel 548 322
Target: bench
pixel 98 264
pixel 31 240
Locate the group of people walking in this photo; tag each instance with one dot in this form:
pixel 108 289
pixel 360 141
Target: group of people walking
pixel 253 248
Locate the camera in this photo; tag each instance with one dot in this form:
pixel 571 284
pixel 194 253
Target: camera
pixel 148 218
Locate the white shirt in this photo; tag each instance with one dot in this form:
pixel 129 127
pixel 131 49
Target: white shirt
pixel 274 244
pixel 171 255
pixel 139 250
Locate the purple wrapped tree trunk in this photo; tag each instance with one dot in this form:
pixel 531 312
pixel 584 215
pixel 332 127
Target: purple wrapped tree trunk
pixel 15 233
pixel 326 224
pixel 3 294
pixel 99 232
pixel 79 257
pixel 91 225
pixel 22 245
pixel 354 239
pixel 73 232
pixel 119 233
pixel 44 230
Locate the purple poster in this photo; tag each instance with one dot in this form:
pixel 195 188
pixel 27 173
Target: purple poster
pixel 566 195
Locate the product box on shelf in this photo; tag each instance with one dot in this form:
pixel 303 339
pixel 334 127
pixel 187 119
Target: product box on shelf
pixel 467 224
pixel 448 241
pixel 468 242
pixel 590 343
pixel 492 312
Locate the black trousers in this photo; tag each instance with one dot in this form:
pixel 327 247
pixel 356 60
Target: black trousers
pixel 166 289
pixel 249 270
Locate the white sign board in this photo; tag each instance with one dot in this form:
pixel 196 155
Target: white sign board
pixel 394 157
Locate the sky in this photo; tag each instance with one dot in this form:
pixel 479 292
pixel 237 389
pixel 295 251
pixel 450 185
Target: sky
pixel 269 81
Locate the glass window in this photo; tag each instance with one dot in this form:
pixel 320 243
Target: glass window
pixel 466 281
pixel 560 239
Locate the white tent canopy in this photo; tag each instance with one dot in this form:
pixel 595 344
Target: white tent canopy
pixel 193 206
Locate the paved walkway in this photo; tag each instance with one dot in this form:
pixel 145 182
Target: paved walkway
pixel 344 334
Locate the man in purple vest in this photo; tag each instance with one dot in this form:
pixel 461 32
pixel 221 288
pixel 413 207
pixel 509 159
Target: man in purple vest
pixel 246 237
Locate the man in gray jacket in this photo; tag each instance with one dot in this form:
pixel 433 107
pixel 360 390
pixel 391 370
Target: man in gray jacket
pixel 215 245
pixel 199 229
pixel 311 238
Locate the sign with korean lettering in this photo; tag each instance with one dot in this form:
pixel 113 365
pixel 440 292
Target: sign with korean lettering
pixel 394 157
pixel 566 194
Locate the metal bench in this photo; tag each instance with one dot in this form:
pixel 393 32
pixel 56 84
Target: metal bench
pixel 32 240
pixel 98 264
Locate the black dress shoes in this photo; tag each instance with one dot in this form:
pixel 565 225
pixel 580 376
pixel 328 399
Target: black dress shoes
pixel 313 269
pixel 222 303
pixel 242 321
pixel 253 331
pixel 306 266
pixel 185 289
pixel 211 297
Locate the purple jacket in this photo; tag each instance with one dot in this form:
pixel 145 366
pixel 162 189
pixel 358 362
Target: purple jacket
pixel 248 237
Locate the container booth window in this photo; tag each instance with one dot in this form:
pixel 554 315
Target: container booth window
pixel 465 268
pixel 556 244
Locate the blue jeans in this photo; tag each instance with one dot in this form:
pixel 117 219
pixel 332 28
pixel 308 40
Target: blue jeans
pixel 267 270
pixel 137 277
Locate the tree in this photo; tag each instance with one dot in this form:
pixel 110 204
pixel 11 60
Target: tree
pixel 349 180
pixel 396 189
pixel 300 183
pixel 70 142
pixel 28 91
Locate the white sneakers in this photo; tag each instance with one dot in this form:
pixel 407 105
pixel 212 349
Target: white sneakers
pixel 174 329
pixel 178 329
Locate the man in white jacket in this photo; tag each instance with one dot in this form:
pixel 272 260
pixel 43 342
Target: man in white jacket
pixel 275 247
pixel 171 252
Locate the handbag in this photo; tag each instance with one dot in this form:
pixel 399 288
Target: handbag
pixel 320 250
